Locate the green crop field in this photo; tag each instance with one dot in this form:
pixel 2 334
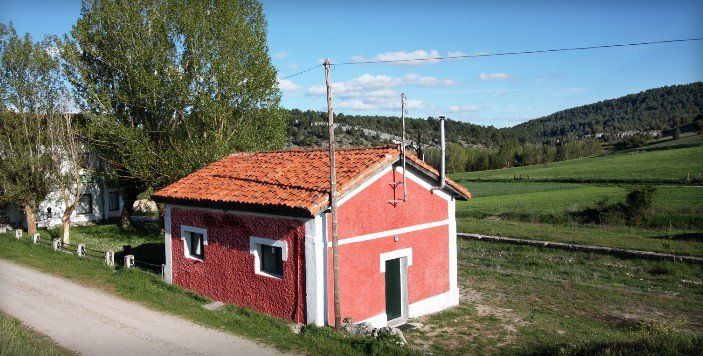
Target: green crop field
pixel 673 205
pixel 663 166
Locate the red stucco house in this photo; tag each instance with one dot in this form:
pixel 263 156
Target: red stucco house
pixel 253 229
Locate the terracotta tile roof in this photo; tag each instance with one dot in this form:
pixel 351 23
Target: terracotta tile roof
pixel 295 180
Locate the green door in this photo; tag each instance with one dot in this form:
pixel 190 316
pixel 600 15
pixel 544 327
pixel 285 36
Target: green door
pixel 393 297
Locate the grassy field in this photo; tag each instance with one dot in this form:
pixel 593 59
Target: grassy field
pixel 668 142
pixel 678 241
pixel 678 206
pixel 149 290
pixel 526 300
pixel 18 339
pixel 663 166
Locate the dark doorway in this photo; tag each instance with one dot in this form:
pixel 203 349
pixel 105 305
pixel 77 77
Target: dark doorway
pixel 394 308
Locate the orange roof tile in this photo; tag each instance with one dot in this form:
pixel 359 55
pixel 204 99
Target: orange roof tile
pixel 296 181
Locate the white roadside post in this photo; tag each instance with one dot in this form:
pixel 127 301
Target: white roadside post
pixel 3 229
pixel 56 244
pixel 80 250
pixel 18 233
pixel 36 238
pixel 129 261
pixel 110 258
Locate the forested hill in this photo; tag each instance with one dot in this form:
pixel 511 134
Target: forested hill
pixel 653 109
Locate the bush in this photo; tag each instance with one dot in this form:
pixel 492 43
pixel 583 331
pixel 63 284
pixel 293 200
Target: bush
pixel 632 211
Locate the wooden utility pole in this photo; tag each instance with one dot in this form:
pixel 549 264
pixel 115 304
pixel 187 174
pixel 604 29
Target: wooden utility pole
pixel 333 200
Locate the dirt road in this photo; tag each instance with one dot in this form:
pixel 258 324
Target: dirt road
pixel 94 323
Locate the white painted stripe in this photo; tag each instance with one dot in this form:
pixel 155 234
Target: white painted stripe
pixel 378 235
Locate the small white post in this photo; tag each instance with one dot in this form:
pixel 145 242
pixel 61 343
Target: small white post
pixel 80 250
pixel 36 238
pixel 110 258
pixel 3 229
pixel 18 233
pixel 129 261
pixel 56 244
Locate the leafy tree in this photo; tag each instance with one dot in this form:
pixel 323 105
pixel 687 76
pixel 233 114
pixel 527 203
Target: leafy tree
pixel 31 91
pixel 169 86
pixel 71 162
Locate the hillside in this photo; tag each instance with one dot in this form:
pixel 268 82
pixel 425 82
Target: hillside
pixel 654 109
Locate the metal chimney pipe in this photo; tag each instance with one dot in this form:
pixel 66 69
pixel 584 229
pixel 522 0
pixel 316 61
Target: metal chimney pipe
pixel 442 177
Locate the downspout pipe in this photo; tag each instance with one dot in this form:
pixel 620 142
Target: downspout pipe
pixel 442 176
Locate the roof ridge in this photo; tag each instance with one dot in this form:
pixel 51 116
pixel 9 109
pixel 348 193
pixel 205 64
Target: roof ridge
pixel 311 149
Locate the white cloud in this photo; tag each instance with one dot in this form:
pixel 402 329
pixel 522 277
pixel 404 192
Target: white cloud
pixel 280 55
pixel 287 85
pixel 414 58
pixel 494 76
pixel 377 92
pixel 463 108
pixel 457 54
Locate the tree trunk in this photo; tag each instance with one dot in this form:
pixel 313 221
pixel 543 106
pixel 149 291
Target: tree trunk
pixel 130 196
pixel 66 223
pixel 31 217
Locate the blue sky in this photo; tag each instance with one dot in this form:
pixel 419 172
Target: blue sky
pixel 500 91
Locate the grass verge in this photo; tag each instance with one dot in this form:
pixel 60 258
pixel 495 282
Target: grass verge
pixel 18 339
pixel 150 291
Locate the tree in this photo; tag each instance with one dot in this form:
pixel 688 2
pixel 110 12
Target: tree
pixel 72 165
pixel 169 86
pixel 31 90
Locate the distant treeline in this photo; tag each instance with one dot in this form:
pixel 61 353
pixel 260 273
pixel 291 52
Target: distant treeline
pixel 509 154
pixel 655 109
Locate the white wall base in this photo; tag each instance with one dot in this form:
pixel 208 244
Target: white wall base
pixel 426 306
pixel 434 304
pixel 377 321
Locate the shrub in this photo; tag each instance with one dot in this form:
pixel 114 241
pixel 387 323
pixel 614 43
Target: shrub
pixel 632 211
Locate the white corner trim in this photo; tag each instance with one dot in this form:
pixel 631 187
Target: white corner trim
pixel 405 252
pixel 364 185
pixel 314 270
pixel 433 304
pixel 380 234
pixel 197 230
pixel 168 270
pixel 377 321
pixel 453 275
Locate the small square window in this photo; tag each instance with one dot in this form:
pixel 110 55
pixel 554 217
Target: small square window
pixel 85 204
pixel 194 242
pixel 269 256
pixel 197 245
pixel 272 260
pixel 113 200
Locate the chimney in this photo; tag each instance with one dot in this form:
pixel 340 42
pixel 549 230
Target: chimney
pixel 442 177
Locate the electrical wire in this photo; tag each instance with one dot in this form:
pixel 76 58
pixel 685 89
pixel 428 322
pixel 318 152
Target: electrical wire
pixel 616 45
pixel 301 72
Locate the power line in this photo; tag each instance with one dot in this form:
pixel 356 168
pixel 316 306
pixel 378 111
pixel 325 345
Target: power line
pixel 522 52
pixel 504 53
pixel 302 71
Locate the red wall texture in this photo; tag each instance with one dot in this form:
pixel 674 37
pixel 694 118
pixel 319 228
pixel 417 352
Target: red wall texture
pixel 362 285
pixel 369 211
pixel 227 273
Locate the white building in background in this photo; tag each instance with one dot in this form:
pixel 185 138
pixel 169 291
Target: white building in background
pixel 98 203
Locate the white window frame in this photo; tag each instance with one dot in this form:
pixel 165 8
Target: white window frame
pixel 255 244
pixel 185 237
